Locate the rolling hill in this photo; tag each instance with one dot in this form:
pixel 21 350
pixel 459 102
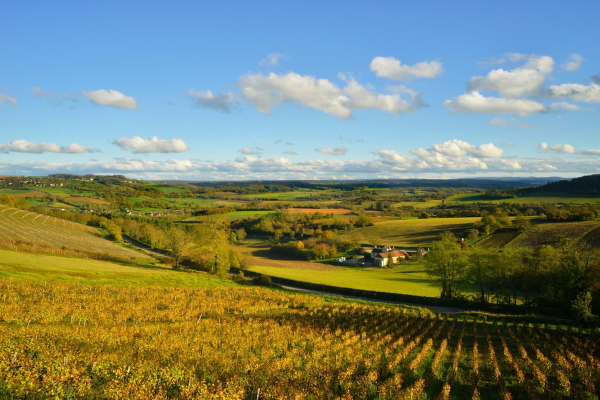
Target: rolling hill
pixel 26 228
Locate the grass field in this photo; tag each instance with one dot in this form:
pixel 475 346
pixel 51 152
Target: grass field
pixel 246 214
pixel 550 197
pixel 418 204
pixel 21 265
pixel 409 232
pixel 409 278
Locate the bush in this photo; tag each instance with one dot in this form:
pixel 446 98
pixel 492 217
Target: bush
pixel 262 280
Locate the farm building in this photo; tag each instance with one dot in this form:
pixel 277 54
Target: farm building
pixel 383 258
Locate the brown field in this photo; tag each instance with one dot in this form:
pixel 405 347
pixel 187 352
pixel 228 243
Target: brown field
pixel 334 211
pixel 30 194
pixel 86 200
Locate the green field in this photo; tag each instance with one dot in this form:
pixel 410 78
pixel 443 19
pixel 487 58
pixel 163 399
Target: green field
pixel 548 198
pixel 407 278
pixel 418 204
pixel 409 232
pixel 20 265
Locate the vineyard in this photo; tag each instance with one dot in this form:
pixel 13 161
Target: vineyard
pixel 73 341
pixel 26 230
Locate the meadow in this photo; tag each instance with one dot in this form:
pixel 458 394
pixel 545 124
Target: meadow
pixel 534 198
pixel 407 278
pixel 409 232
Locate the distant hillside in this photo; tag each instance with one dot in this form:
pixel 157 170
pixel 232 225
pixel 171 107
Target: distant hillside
pixel 589 184
pixel 22 229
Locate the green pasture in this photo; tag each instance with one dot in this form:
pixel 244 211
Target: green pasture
pixel 409 232
pixel 20 265
pixel 418 204
pixel 548 198
pixel 246 214
pixel 409 278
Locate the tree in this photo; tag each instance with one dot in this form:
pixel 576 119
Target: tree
pixel 179 243
pixel 481 269
pixel 447 263
pixel 472 235
pixel 241 234
pixel 521 224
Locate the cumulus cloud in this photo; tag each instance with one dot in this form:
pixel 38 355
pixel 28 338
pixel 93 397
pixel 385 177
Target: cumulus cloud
pixel 248 151
pixel 225 102
pixel 557 148
pixel 575 91
pixel 4 98
pixel 338 151
pixel 24 146
pixel 139 145
pixel 267 91
pixel 527 79
pixel 476 103
pixel 391 68
pixel 111 98
pixel 273 59
pixel 573 62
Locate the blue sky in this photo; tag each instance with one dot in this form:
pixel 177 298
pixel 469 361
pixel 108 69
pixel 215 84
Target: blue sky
pixel 307 90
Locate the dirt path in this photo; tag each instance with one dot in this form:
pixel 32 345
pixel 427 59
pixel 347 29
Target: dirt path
pixel 143 247
pixel 435 309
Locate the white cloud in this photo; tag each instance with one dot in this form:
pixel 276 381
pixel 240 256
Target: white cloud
pixel 8 99
pixel 111 98
pixel 527 79
pixel 500 122
pixel 248 151
pixel 564 106
pixel 391 68
pixel 590 153
pixel 139 145
pixel 225 102
pixel 558 148
pixel 338 151
pixel 476 103
pixel 573 62
pixel 52 98
pixel 291 153
pixel 265 92
pixel 395 158
pixel 24 146
pixel 273 59
pixel 575 91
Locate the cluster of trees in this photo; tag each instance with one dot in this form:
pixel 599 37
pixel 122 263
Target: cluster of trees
pixel 313 248
pixel 299 226
pixel 566 276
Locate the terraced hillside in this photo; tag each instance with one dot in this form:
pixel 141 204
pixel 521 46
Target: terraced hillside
pixel 29 228
pixel 553 233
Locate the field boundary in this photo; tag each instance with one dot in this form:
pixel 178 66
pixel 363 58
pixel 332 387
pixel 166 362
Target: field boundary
pixel 416 300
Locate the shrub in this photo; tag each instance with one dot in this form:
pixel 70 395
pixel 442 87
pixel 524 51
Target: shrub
pixel 262 280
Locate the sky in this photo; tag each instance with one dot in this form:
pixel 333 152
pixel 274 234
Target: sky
pixel 266 90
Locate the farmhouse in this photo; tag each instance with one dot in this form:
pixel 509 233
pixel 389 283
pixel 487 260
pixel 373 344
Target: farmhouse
pixel 387 256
